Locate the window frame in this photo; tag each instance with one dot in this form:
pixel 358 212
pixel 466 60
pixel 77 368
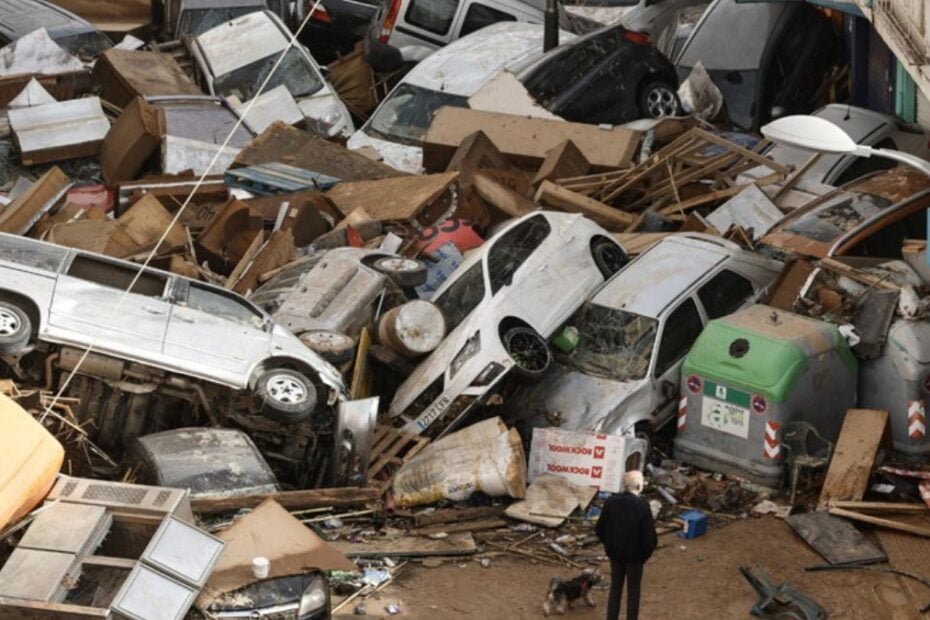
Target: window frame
pixel 127 267
pixel 657 372
pixel 510 17
pixel 182 298
pixel 495 286
pixel 709 316
pixel 412 5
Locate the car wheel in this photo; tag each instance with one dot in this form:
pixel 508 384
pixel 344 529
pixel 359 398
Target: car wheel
pixel 643 430
pixel 608 257
pixel 333 347
pixel 407 273
pixel 529 351
pixel 658 100
pixel 286 395
pixel 15 329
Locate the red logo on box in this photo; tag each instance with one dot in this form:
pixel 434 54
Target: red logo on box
pixel 597 472
pixel 599 452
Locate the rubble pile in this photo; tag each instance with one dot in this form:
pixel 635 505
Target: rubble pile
pixel 256 361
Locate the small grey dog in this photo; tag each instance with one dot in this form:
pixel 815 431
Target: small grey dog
pixel 565 593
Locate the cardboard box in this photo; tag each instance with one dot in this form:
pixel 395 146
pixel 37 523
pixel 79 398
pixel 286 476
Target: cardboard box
pixel 526 141
pixel 124 75
pixel 131 141
pixel 19 216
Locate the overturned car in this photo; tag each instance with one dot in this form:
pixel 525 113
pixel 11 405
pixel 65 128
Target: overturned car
pixel 501 306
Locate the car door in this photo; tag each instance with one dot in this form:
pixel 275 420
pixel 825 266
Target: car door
pixel 680 329
pixel 427 22
pixel 217 332
pixel 90 306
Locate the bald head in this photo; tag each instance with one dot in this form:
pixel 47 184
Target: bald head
pixel 633 482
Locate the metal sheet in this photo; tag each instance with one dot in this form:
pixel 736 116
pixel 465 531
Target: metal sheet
pixel 183 551
pixel 835 539
pixel 149 595
pixel 36 575
pixel 355 429
pixel 68 528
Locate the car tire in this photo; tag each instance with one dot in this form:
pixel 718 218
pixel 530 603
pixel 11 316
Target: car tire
pixel 15 329
pixel 529 351
pixel 333 347
pixel 643 430
pixel 406 272
pixel 286 395
pixel 608 257
pixel 658 99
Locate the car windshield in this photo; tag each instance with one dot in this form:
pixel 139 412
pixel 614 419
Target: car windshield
pixel 839 216
pixel 406 115
pixel 198 21
pixel 295 73
pixel 462 296
pixel 613 344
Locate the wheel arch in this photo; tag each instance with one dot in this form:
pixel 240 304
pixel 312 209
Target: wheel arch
pixel 283 361
pixel 28 306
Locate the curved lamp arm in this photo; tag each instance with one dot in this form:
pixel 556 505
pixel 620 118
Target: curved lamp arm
pixel 905 158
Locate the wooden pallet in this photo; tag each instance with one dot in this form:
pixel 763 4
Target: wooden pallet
pixel 392 448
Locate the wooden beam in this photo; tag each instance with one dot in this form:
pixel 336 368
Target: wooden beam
pixel 878 506
pixel 18 609
pixel 880 522
pixel 292 500
pixel 558 197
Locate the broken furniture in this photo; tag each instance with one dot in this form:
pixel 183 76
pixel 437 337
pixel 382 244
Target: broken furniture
pixel 782 601
pixel 807 450
pixel 100 548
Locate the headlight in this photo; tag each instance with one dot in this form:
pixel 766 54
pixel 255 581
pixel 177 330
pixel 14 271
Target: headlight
pixel 315 598
pixel 471 349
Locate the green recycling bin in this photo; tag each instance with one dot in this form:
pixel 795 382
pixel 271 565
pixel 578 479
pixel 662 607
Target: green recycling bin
pixel 748 376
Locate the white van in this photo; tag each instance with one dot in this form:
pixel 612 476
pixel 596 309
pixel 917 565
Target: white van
pixel 417 28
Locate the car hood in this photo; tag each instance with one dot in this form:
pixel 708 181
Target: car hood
pixel 575 401
pixel 398 156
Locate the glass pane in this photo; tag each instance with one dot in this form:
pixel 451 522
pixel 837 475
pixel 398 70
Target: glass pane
pixel 295 73
pixel 724 294
pixel 223 306
pixel 513 248
pixel 433 15
pixel 407 113
pixel 614 344
pixel 117 276
pixel 479 16
pixel 681 330
pixel 462 296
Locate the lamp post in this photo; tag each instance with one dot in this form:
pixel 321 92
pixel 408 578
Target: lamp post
pixel 818 134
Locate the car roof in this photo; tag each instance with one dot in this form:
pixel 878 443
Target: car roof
pixel 464 66
pixel 20 17
pixel 663 273
pixel 241 42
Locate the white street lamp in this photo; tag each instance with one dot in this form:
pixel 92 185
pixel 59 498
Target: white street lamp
pixel 818 134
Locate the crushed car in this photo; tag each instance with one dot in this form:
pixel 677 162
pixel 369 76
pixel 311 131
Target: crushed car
pixel 189 332
pixel 327 298
pixel 501 306
pixel 236 58
pixel 622 373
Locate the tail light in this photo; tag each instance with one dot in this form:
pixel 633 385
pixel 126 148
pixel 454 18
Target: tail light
pixel 640 38
pixel 694 384
pixel 759 404
pixel 387 26
pixel 321 15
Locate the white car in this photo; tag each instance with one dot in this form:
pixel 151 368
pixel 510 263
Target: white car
pixel 446 78
pixel 235 59
pixel 501 306
pixel 623 375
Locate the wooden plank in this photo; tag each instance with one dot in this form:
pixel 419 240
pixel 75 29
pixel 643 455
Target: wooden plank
pixel 467 526
pixel 502 197
pixel 457 515
pixel 879 506
pixel 296 500
pixel 19 216
pixel 399 199
pixel 386 457
pixel 864 431
pixel 409 546
pixel 18 609
pixel 746 153
pixel 558 197
pixel 714 196
pixel 880 522
pixel 565 160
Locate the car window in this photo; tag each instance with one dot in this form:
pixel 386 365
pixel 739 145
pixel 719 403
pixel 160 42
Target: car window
pixel 479 16
pixel 295 73
pixel 118 276
pixel 862 166
pixel 407 113
pixel 682 328
pixel 612 343
pixel 224 306
pixel 462 296
pixel 512 249
pixel 433 15
pixel 556 72
pixel 31 254
pixel 886 242
pixel 724 294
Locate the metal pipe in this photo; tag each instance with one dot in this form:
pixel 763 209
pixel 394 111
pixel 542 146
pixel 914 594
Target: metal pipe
pixel 551 32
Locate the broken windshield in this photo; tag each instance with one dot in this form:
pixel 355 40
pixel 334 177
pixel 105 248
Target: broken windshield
pixel 838 217
pixel 198 21
pixel 406 115
pixel 613 344
pixel 462 296
pixel 294 73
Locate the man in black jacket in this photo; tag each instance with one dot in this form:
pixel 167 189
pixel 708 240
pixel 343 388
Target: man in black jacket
pixel 629 535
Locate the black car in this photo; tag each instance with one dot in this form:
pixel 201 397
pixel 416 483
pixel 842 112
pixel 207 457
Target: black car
pixel 73 34
pixel 611 76
pixel 336 26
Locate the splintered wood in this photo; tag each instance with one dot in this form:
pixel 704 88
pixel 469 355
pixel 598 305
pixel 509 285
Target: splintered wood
pixel 391 449
pixel 696 169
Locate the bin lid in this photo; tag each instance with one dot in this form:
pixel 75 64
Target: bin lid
pixel 763 350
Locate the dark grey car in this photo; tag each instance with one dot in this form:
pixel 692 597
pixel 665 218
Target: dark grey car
pixel 75 35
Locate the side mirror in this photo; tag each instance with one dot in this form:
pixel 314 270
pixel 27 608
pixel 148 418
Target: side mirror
pixel 268 326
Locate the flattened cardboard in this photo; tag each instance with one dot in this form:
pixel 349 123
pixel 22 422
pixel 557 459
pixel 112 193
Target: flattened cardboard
pixel 526 141
pixel 401 199
pixel 268 531
pixel 131 141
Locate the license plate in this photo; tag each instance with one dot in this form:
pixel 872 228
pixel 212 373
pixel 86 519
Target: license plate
pixel 725 417
pixel 433 412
